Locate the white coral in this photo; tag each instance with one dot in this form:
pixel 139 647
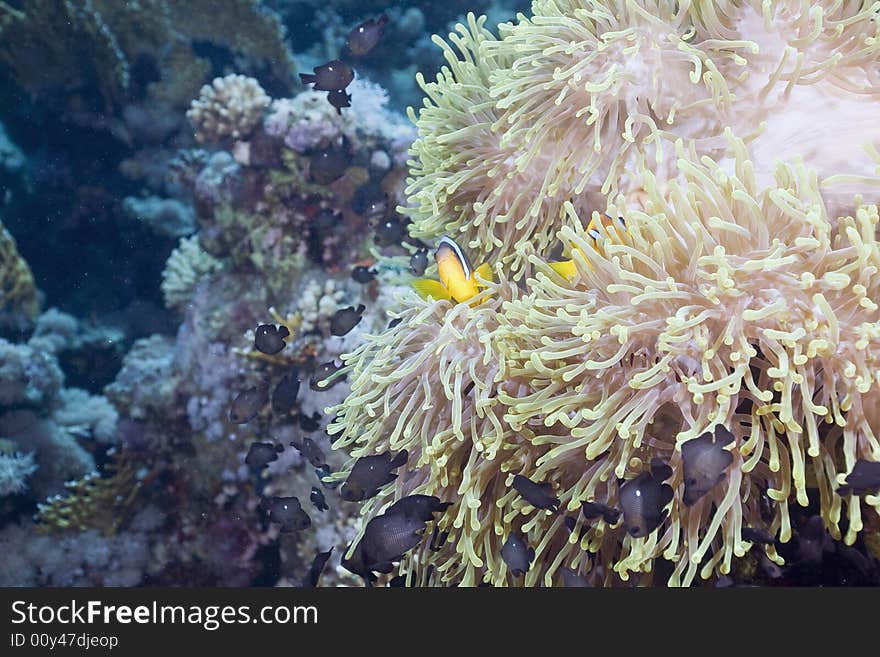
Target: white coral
pixel 318 305
pixel 304 122
pixel 186 266
pixel 15 468
pixel 228 107
pixel 86 416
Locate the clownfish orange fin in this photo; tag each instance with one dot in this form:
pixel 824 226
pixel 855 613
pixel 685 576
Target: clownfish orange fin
pixel 429 288
pixel 565 268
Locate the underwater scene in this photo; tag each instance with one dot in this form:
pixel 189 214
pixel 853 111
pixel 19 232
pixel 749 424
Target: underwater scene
pixel 346 293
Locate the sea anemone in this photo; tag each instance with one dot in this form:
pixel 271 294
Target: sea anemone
pixel 728 304
pixel 562 106
pixel 428 385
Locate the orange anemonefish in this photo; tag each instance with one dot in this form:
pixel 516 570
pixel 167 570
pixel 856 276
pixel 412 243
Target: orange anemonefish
pixel 458 281
pixel 614 230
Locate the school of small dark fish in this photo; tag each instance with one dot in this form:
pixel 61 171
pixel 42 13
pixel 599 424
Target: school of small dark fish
pixel 334 76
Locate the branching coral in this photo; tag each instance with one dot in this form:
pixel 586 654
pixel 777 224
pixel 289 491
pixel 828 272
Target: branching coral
pixel 94 502
pixel 228 107
pixel 187 265
pixel 728 303
pixel 562 106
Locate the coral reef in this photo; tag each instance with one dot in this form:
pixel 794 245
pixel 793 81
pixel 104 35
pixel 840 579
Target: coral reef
pixel 88 558
pixel 669 379
pixel 64 429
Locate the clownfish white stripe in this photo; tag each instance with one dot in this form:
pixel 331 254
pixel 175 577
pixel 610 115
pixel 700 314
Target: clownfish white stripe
pixel 459 254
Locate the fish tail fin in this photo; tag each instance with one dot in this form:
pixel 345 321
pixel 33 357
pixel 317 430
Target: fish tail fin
pixel 565 268
pixel 484 271
pixel 308 78
pixel 399 459
pixel 427 287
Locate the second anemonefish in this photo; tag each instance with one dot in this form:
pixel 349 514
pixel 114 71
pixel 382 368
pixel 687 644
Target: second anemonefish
pixel 458 282
pixel 616 230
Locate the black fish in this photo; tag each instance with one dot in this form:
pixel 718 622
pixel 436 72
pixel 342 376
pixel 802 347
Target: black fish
pixel 758 535
pixel 517 554
pixel 339 99
pixel 285 393
pixel 704 461
pixel 644 498
pixel 390 232
pixel 387 538
pixel 329 165
pixel 371 203
pixel 247 404
pixel 864 479
pixel 364 37
pixel 571 579
pixel 538 495
pixel 287 512
pixel 346 319
pixel 394 322
pixel 324 371
pixel 311 452
pixel 317 498
pixel 363 275
pixel 593 510
pixel 369 474
pixel 421 507
pixel 419 262
pixel 310 423
pixel 332 76
pixel 310 581
pixel 269 339
pixel 262 454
